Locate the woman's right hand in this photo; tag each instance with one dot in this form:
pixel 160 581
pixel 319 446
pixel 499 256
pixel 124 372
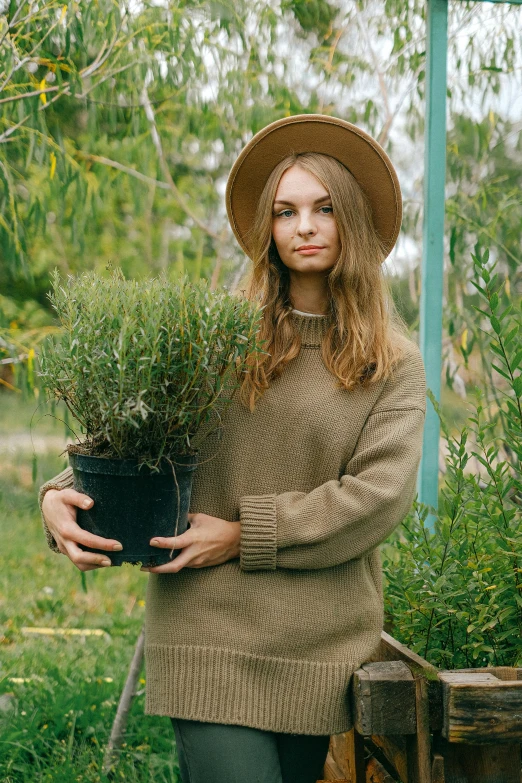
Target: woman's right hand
pixel 59 511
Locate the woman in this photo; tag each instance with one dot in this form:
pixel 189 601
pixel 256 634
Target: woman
pixel 254 630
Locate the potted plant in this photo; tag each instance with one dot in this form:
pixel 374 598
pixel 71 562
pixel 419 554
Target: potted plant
pixel 142 366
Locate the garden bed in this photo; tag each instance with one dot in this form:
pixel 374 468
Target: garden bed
pixel 415 723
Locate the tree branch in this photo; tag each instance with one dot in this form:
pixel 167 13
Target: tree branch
pixel 383 135
pixel 23 96
pixel 122 714
pixel 125 169
pixel 156 140
pixel 12 129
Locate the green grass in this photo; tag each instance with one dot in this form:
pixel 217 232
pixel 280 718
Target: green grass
pixel 55 722
pixel 30 414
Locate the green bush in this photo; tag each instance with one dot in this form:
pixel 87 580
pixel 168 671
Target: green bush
pixel 455 595
pixel 141 365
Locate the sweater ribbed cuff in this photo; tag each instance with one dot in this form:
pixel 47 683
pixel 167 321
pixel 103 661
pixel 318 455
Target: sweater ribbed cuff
pixel 258 545
pixel 63 480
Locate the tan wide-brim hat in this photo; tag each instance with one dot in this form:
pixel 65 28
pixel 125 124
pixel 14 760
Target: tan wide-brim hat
pixel 359 152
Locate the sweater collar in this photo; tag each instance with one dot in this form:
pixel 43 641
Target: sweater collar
pixel 311 328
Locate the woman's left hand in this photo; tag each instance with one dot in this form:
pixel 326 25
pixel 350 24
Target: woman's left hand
pixel 208 541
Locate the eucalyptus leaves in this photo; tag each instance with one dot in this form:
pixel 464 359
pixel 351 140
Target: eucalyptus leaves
pixel 141 365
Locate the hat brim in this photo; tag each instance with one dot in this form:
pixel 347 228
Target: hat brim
pixel 355 149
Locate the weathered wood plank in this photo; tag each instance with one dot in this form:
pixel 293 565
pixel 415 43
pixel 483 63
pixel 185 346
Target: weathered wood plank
pixel 410 754
pixel 506 672
pixel 383 696
pixel 395 752
pixel 500 672
pixel 419 745
pixel 458 676
pixel 480 763
pixel 347 750
pixel 392 650
pixel 480 709
pixel 437 769
pixel 331 772
pixel 375 773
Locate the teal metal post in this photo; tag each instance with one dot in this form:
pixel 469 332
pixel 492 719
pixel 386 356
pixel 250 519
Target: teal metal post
pixel 433 241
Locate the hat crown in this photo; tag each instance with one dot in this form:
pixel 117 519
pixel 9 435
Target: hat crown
pixel 354 148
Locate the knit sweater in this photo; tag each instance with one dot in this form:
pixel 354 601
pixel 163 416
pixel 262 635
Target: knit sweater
pixel 317 477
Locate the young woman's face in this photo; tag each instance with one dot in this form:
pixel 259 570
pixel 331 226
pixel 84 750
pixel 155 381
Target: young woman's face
pixel 303 215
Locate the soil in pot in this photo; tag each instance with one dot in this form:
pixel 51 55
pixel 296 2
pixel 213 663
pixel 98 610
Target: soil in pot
pixel 133 504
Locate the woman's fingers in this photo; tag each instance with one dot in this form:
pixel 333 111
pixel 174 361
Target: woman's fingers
pixel 74 498
pixel 209 541
pixel 176 564
pixel 85 561
pixel 174 542
pixel 60 515
pixel 182 542
pixel 73 532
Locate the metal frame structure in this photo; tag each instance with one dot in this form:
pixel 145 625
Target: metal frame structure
pixel 432 270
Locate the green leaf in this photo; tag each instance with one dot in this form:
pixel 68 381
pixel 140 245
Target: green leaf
pixel 499 370
pixel 495 323
pixel 453 242
pixel 517 360
pixel 479 288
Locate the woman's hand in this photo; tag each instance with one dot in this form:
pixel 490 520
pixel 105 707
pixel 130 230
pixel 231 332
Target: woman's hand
pixel 59 511
pixel 208 541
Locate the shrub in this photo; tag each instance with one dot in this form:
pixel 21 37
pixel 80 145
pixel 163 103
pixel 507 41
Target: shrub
pixel 455 595
pixel 142 365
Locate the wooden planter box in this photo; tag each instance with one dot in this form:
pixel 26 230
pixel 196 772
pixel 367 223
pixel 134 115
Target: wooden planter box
pixel 416 724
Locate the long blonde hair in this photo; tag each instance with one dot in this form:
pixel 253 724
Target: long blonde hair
pixel 360 346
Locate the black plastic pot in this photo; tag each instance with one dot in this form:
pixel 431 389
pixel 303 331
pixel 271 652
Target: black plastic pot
pixel 133 504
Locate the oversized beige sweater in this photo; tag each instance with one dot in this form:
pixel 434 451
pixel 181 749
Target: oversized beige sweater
pixel 317 477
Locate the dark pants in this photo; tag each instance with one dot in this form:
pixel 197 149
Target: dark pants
pixel 217 753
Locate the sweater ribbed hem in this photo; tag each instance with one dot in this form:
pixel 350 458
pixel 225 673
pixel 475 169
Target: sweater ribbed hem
pixel 63 480
pixel 217 685
pixel 258 545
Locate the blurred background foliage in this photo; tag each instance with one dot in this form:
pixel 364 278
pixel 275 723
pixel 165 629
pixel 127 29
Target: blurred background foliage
pixel 119 122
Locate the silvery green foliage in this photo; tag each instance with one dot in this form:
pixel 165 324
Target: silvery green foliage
pixel 455 595
pixel 141 365
pixel 93 90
